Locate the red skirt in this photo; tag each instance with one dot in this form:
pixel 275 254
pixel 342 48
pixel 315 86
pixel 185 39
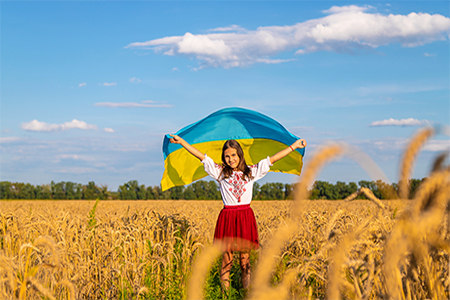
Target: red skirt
pixel 236 229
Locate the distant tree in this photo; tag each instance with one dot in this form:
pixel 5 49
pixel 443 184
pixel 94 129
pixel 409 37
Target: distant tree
pixel 324 190
pixel 200 189
pixel 189 193
pixel 371 185
pixel 59 190
pixel 90 191
pixel 70 190
pixel 256 190
pixel 158 192
pixel 5 190
pixel 289 191
pixel 150 194
pixel 46 191
pixel 213 190
pixel 344 190
pixel 177 192
pixel 264 192
pixel 78 191
pixel 277 191
pixel 414 185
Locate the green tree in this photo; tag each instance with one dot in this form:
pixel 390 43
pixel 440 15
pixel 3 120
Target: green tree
pixel 78 191
pixel 189 193
pixel 141 192
pixel 46 191
pixel 6 190
pixel 70 190
pixel 213 190
pixel 199 188
pixel 256 191
pixel 150 194
pixel 414 184
pixel 289 191
pixel 59 190
pixel 324 190
pixel 90 191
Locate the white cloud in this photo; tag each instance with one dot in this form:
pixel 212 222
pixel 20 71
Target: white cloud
pixel 135 80
pixel 110 130
pixel 58 158
pixel 350 8
pixel 36 125
pixel 175 69
pixel 76 170
pixel 9 139
pixel 109 83
pixel 402 122
pixel 82 84
pixel 345 30
pixel 437 146
pixel 230 28
pixel 429 54
pixel 273 61
pixel 146 103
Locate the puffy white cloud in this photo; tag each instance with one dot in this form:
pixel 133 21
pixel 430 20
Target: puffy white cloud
pixel 36 125
pixel 82 84
pixel 109 83
pixel 402 122
pixel 351 8
pixel 110 130
pixel 146 103
pixel 344 30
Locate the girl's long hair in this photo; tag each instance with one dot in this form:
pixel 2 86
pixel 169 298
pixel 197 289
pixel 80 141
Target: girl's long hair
pixel 227 170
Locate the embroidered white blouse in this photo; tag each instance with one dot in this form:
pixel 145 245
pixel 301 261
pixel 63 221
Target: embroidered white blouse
pixel 235 190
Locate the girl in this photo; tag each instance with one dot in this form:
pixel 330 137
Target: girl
pixel 236 225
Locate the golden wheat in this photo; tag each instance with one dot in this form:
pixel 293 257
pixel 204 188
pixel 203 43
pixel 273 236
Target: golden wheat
pixel 354 249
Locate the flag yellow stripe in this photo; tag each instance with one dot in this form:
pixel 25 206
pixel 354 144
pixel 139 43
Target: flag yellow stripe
pixel 182 168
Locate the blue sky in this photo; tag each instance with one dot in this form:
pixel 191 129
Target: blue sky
pixel 88 89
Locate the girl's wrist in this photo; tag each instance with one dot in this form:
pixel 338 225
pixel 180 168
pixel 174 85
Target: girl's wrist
pixel 292 148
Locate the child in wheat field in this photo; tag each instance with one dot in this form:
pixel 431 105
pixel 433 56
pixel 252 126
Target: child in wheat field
pixel 236 225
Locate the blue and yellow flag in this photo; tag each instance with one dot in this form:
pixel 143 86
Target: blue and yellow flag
pixel 258 135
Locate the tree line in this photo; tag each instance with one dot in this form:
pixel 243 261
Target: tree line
pixel 200 190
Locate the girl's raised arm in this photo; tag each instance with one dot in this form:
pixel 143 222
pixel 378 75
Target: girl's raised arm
pixel 191 149
pixel 301 143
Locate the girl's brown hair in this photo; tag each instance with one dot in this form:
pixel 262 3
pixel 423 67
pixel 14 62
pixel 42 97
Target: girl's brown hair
pixel 227 170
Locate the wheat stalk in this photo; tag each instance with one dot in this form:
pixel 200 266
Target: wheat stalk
pixel 409 156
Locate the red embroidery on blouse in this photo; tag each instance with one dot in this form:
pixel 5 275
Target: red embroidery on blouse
pixel 238 186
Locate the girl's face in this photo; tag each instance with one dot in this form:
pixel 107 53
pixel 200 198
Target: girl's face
pixel 232 158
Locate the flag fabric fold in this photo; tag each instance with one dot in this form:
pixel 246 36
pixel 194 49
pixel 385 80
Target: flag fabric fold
pixel 258 135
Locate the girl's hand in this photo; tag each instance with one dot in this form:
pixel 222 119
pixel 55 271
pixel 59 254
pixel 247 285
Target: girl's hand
pixel 191 149
pixel 300 143
pixel 175 139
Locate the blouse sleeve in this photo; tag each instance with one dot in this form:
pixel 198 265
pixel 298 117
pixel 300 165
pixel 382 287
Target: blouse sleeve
pixel 214 170
pixel 261 169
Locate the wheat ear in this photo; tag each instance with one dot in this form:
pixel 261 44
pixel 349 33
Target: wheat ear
pixel 409 157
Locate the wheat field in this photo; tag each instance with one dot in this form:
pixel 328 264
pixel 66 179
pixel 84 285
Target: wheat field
pixel 352 249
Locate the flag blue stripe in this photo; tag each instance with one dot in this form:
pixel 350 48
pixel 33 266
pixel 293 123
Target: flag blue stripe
pixel 232 123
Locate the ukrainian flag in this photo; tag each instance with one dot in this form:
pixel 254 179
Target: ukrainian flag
pixel 258 135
